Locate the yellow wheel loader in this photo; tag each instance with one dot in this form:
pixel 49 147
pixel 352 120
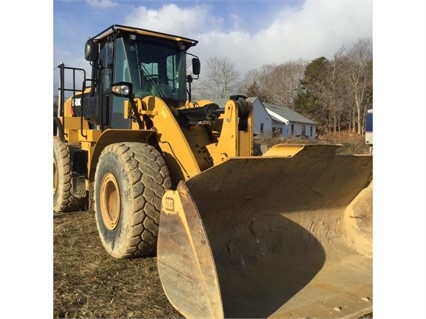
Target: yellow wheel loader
pixel 286 234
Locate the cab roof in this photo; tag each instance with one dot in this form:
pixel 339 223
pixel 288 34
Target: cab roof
pixel 116 28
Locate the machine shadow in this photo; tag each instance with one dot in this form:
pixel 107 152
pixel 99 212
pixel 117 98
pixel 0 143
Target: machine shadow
pixel 263 263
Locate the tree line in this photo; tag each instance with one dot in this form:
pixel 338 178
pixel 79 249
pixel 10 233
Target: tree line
pixel 334 93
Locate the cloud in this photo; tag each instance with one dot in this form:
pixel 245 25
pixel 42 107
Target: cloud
pixel 318 28
pixel 170 18
pixel 101 4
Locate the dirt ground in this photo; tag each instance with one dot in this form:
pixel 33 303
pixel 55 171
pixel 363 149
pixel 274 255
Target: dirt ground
pixel 89 283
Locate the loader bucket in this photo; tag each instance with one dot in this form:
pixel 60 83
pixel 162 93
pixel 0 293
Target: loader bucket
pixel 285 235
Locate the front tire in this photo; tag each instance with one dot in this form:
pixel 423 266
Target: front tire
pixel 130 180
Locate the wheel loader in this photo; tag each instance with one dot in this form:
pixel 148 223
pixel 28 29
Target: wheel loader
pixel 283 235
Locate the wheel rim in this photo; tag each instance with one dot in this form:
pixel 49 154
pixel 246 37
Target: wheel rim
pixel 55 177
pixel 110 201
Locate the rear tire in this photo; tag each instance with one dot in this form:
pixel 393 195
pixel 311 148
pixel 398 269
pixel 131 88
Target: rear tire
pixel 130 180
pixel 63 199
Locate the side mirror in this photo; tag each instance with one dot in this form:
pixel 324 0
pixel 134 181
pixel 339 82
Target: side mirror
pixel 122 89
pixel 196 66
pixel 91 52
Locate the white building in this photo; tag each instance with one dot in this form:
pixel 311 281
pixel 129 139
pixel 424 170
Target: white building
pixel 278 121
pixel 262 119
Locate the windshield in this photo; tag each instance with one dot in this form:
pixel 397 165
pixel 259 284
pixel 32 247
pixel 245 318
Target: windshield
pixel 154 67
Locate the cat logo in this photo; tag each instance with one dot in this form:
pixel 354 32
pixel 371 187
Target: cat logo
pixel 169 203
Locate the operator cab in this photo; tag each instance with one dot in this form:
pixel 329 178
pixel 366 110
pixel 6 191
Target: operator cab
pixel 153 63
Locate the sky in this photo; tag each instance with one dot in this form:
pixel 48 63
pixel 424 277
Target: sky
pixel 248 33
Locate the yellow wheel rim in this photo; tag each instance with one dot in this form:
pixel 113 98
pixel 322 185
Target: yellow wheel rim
pixel 110 201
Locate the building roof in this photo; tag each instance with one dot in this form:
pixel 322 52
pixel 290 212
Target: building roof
pixel 283 113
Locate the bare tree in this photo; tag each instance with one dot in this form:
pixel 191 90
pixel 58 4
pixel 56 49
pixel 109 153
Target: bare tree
pixel 285 79
pixel 275 83
pixel 360 79
pixel 219 80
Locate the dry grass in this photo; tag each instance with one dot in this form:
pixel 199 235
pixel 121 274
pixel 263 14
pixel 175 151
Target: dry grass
pixel 88 283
